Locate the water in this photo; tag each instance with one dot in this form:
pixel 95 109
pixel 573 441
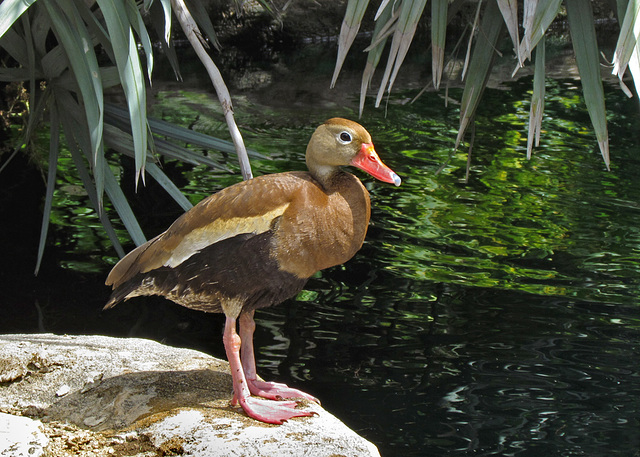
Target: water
pixel 497 316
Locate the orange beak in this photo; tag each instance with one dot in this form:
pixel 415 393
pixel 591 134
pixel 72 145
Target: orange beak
pixel 368 160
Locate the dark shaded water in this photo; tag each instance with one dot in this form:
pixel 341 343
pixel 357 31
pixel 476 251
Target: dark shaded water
pixel 494 317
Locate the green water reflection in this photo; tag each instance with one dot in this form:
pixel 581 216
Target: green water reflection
pixel 558 224
pixel 496 316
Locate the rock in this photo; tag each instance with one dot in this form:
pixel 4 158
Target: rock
pixel 94 395
pixel 21 436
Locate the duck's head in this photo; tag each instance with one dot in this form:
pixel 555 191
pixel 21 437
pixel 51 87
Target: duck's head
pixel 340 142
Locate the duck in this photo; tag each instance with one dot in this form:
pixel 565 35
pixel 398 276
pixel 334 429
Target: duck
pixel 255 244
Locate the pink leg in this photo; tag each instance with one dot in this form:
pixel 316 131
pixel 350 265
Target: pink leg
pixel 271 390
pixel 263 410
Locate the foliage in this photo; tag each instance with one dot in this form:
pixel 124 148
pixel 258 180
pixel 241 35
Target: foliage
pixel 398 20
pixel 70 52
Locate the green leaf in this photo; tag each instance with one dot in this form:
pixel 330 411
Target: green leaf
pixel 10 11
pixel 31 57
pixel 438 38
pixel 178 133
pixel 201 16
pixel 14 74
pixel 120 203
pixel 627 39
pixel 122 142
pixel 160 13
pixel 40 30
pixel 538 16
pixel 54 63
pixel 70 131
pixel 73 36
pixel 474 27
pixel 348 31
pixel 110 78
pixel 479 66
pixel 168 185
pixel 119 138
pixel 384 23
pixel 409 14
pixel 15 46
pixel 537 99
pixel 54 143
pixel 96 28
pixel 509 10
pixel 128 63
pixel 129 67
pixel 137 23
pixel 585 45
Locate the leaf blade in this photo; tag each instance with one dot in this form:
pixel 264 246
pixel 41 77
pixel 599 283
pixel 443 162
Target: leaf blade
pixel 348 31
pixel 131 75
pixel 479 66
pixel 585 45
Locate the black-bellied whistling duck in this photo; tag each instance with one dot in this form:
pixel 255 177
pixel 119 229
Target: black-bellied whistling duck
pixel 255 244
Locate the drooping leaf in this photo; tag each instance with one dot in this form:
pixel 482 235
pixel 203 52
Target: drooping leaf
pixel 31 56
pixel 14 74
pixel 120 203
pixel 474 27
pixel 348 31
pixel 10 11
pixel 438 37
pixel 537 99
pixel 538 15
pixel 73 36
pixel 627 39
pixel 156 173
pixel 123 143
pixel 201 16
pixel 585 45
pixel 95 26
pixel 55 66
pixel 384 23
pixel 54 144
pixel 137 24
pixel 381 8
pixel 409 14
pixel 79 159
pixel 509 10
pixel 40 30
pixel 180 134
pixel 160 13
pixel 481 62
pixel 14 44
pixel 131 76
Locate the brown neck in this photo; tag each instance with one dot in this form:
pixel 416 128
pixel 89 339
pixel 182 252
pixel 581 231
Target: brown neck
pixel 327 175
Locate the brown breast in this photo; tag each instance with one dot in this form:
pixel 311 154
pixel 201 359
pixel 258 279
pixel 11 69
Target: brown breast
pixel 321 228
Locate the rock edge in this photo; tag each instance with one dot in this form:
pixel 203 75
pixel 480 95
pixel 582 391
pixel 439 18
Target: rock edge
pixel 97 395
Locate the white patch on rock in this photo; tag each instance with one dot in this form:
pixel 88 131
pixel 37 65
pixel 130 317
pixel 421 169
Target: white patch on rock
pixel 21 437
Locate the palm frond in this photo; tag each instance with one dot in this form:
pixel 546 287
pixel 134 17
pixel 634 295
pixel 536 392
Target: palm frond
pixel 627 49
pixel 399 18
pixel 408 14
pixel 74 102
pixel 348 32
pixel 439 10
pixel 537 99
pixel 480 65
pixel 585 45
pixel 131 75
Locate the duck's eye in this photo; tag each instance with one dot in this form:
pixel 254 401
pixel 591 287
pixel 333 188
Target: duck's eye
pixel 345 137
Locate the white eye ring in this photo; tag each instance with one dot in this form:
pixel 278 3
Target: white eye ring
pixel 345 137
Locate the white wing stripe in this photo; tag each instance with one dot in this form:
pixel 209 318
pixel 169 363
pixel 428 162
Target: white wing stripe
pixel 219 230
